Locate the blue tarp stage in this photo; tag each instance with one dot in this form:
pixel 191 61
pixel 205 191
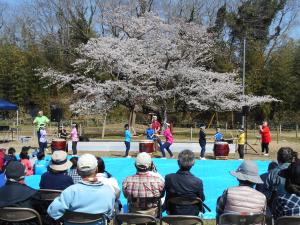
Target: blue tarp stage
pixel 214 173
pixel 6 105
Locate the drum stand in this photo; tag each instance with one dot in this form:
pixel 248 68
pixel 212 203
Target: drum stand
pixel 246 136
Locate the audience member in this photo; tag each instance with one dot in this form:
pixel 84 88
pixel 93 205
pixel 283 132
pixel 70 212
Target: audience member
pixel 73 171
pixel 243 198
pixel 10 155
pixel 275 183
pixel 288 204
pixel 184 184
pixel 106 178
pixel 2 159
pixel 15 192
pixel 24 159
pixel 56 178
pixel 143 190
pixel 89 195
pixel 262 187
pixel 41 165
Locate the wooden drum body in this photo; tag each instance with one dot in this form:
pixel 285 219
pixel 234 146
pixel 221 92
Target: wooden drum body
pixel 58 144
pixel 221 150
pixel 146 146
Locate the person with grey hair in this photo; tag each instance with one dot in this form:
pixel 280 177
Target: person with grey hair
pixel 184 184
pixel 89 195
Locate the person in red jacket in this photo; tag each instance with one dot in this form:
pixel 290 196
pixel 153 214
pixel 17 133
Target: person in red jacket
pixel 265 138
pixel 2 159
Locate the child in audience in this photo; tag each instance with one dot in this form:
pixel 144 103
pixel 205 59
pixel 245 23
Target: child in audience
pixel 73 170
pixel 24 159
pixel 41 165
pixel 106 178
pixel 10 156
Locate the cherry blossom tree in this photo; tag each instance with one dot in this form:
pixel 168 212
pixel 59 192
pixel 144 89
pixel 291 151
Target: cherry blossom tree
pixel 150 63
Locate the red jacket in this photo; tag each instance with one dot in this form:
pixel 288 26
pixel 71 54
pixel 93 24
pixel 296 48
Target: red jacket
pixel 2 156
pixel 265 135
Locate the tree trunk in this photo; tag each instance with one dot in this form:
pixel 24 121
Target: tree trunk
pixel 132 117
pixel 103 126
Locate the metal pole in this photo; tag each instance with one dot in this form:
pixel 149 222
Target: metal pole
pixel 244 72
pixel 17 125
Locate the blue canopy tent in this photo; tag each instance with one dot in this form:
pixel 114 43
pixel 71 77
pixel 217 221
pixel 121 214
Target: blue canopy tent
pixel 6 105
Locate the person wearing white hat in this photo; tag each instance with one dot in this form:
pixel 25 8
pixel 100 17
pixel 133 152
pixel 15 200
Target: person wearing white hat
pixel 87 196
pixel 145 188
pixel 56 178
pixel 169 141
pixel 243 198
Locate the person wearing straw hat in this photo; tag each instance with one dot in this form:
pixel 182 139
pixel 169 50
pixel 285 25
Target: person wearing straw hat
pixel 243 198
pixel 56 178
pixel 169 141
pixel 87 196
pixel 202 141
pixel 15 193
pixel 288 204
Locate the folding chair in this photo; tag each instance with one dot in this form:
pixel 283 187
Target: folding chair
pixel 241 219
pixel 178 220
pixel 48 195
pixel 83 218
pixel 188 201
pixel 134 218
pixel 288 220
pixel 45 198
pixel 17 214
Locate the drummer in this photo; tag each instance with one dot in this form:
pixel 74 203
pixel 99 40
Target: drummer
pixel 155 124
pixel 218 135
pixel 150 132
pixel 62 133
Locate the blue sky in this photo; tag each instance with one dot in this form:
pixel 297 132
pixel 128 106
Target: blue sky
pixel 293 33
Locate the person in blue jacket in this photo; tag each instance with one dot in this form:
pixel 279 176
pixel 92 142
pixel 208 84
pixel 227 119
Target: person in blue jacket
pixel 41 165
pixel 127 140
pixel 218 135
pixel 150 133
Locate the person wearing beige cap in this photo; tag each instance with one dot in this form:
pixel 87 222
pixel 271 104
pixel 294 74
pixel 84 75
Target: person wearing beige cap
pixel 145 188
pixel 243 198
pixel 56 178
pixel 87 196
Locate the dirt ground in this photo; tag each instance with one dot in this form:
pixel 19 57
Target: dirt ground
pixel 250 154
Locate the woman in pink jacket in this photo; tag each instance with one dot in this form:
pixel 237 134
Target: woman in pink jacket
pixel 169 141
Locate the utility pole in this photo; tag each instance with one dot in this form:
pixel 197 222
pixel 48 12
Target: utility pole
pixel 244 74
